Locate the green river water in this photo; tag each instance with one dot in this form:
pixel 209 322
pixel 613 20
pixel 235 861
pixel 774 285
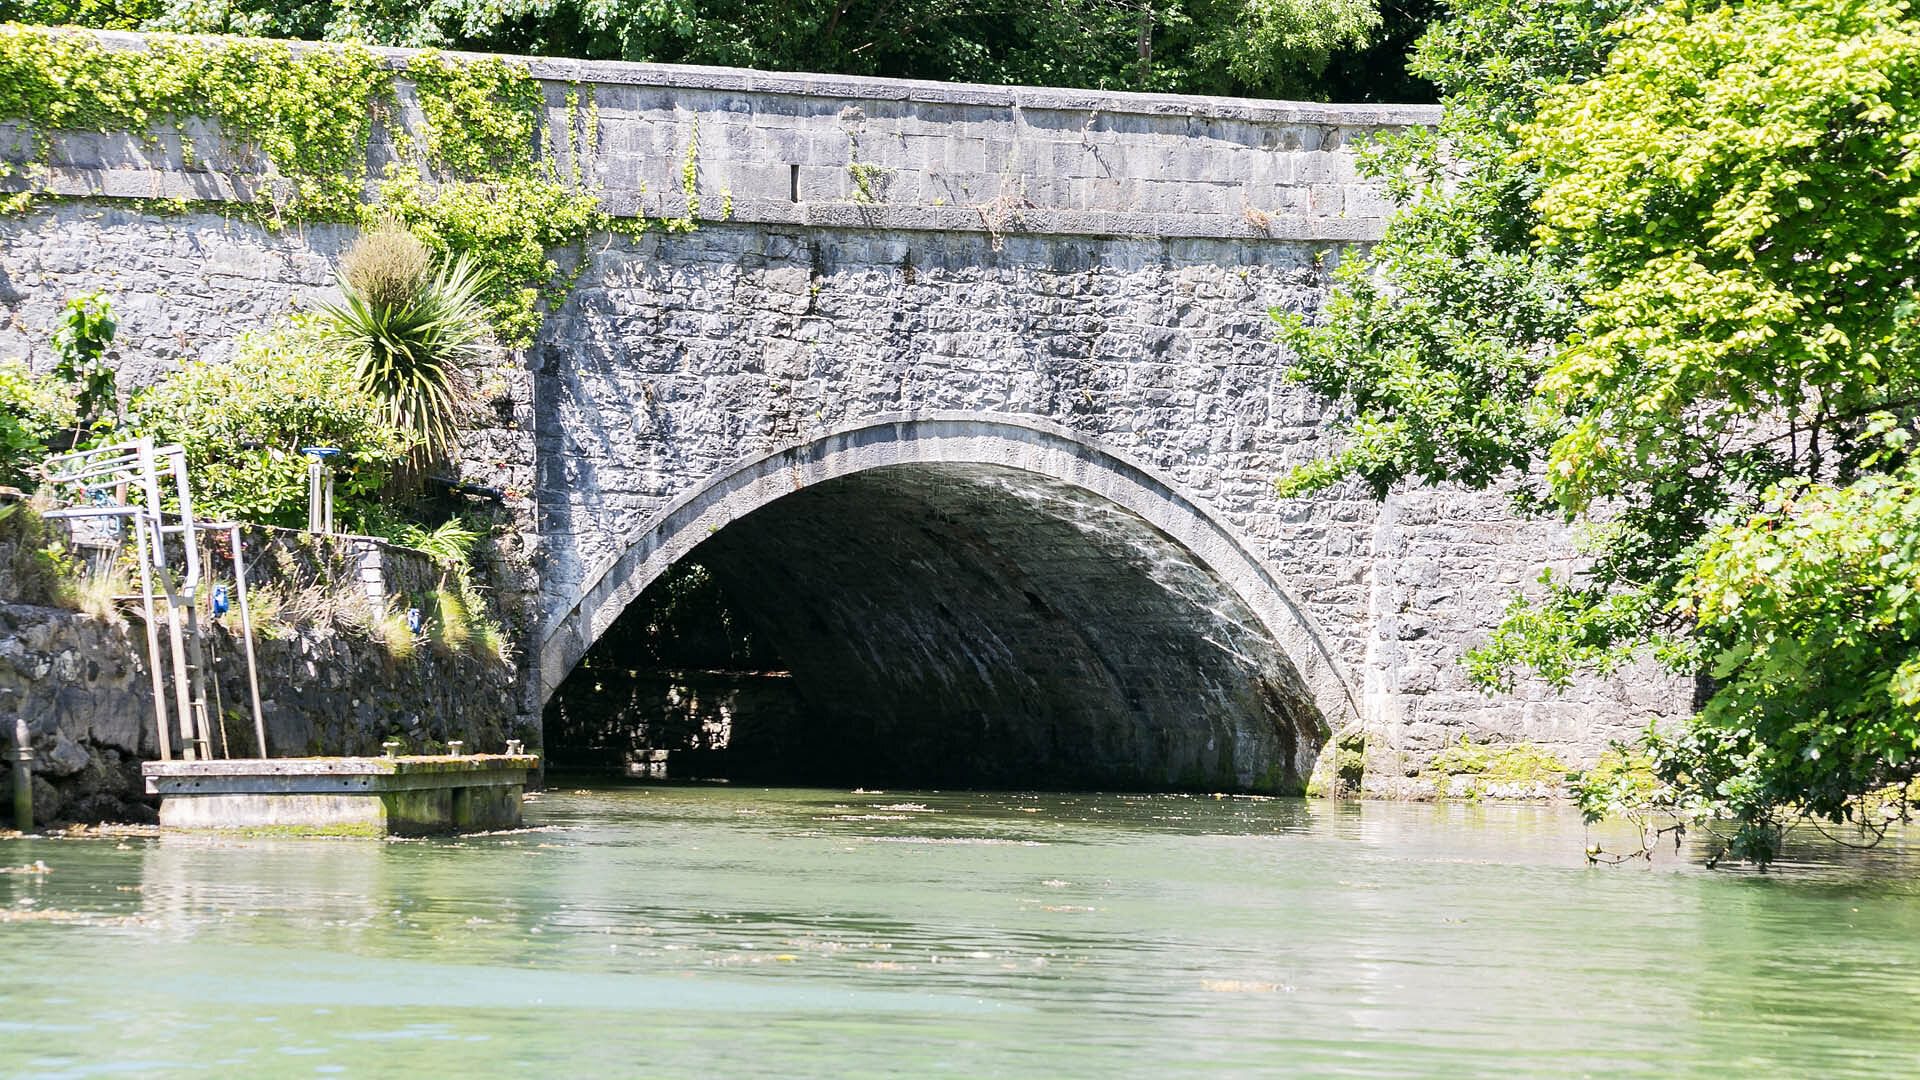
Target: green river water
pixel 727 931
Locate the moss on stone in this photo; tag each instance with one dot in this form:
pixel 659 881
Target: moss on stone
pixel 1279 780
pixel 352 831
pixel 1488 768
pixel 1350 760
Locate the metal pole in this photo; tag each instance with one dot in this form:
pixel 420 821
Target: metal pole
pixel 246 630
pixel 197 669
pixel 177 461
pixel 319 487
pixel 22 775
pixel 314 520
pixel 216 710
pixel 153 641
pixel 150 499
pixel 177 647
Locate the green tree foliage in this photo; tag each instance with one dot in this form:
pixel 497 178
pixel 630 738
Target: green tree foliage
pixel 1259 47
pixel 1435 339
pixel 1809 614
pixel 1747 375
pixel 243 424
pixel 80 345
pixel 33 411
pixel 1379 72
pixel 101 14
pixel 1672 297
pixel 42 413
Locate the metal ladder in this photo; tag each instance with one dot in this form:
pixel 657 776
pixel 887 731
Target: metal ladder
pixel 129 481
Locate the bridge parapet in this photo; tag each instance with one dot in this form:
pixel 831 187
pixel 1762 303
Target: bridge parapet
pixel 899 154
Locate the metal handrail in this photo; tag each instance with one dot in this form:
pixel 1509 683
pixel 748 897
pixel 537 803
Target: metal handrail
pixel 139 471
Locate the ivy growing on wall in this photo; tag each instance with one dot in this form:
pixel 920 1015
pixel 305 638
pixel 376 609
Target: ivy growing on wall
pixel 483 117
pixel 480 184
pixel 309 113
pixel 472 178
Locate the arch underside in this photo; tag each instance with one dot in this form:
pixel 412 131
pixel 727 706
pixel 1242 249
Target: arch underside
pixel 948 621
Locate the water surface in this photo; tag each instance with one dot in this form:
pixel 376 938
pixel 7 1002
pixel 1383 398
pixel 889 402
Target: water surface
pixel 729 931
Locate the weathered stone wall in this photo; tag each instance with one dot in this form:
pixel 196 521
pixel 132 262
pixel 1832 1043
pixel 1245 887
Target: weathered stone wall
pixel 327 686
pixel 850 152
pixel 82 684
pixel 1100 264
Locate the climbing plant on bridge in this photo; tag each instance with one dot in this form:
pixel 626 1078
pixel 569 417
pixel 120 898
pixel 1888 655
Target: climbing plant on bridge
pixel 308 112
pixel 475 181
pixel 1674 300
pixel 480 185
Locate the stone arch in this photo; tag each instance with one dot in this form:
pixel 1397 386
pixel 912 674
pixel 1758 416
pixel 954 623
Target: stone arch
pixel 1025 444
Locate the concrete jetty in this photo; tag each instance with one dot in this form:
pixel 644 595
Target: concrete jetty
pixel 351 796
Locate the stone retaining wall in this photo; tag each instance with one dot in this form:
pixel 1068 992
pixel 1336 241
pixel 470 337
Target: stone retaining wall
pixel 81 681
pixel 83 686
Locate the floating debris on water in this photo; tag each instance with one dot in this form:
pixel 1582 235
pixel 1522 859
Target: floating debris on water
pixel 1238 986
pixel 953 840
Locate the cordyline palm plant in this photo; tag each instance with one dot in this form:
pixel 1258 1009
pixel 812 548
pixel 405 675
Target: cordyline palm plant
pixel 412 336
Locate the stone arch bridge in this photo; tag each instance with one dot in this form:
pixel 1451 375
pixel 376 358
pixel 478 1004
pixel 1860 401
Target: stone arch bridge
pixel 968 393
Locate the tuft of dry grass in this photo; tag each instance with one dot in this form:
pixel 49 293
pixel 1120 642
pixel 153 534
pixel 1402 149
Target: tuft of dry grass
pixel 449 623
pixel 392 631
pixel 387 266
pixel 487 642
pixel 94 594
pixel 266 605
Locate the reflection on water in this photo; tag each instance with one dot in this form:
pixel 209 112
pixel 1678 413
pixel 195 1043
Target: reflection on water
pixel 724 930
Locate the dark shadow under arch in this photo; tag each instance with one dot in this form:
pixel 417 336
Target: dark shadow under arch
pixel 969 601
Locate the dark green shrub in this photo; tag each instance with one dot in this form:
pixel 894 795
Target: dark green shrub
pixel 243 425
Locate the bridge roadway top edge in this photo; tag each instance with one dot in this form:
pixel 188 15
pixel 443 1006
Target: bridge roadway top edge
pixel 558 69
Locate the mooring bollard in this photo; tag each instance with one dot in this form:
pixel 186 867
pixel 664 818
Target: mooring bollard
pixel 514 747
pixel 22 775
pixel 456 748
pixel 391 747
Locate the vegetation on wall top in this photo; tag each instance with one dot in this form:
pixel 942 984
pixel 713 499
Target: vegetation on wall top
pixel 473 181
pixel 308 112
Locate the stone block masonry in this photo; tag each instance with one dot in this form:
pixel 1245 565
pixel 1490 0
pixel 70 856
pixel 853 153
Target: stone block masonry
pixel 1072 282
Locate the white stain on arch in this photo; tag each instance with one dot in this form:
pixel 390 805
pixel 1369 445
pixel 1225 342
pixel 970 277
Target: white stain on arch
pixel 1027 444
